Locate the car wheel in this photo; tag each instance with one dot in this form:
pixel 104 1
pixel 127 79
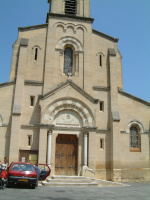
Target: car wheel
pixel 33 186
pixel 9 185
pixel 1 184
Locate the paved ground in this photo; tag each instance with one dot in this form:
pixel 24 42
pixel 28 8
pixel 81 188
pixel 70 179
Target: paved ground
pixel 136 191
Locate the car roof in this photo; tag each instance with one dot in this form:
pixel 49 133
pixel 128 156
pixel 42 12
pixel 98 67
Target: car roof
pixel 22 163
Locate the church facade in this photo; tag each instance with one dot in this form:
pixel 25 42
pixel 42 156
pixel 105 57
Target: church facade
pixel 64 104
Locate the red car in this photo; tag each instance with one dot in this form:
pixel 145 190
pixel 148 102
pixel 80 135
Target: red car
pixel 25 173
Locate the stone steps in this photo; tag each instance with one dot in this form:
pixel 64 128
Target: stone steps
pixel 68 177
pixel 69 181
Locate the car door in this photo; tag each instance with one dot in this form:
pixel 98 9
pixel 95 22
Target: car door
pixel 45 171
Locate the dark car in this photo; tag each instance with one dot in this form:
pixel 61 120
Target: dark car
pixel 24 173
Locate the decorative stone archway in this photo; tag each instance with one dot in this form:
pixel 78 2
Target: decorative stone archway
pixel 68 116
pixel 69 104
pixel 68 40
pixel 77 48
pixel 134 123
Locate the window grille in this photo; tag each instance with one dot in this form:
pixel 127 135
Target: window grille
pixel 70 7
pixel 134 137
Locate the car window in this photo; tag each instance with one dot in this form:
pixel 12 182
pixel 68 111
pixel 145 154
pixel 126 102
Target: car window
pixel 42 167
pixel 45 171
pixel 22 167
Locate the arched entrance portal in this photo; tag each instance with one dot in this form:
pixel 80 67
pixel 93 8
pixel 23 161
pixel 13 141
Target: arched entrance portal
pixel 66 155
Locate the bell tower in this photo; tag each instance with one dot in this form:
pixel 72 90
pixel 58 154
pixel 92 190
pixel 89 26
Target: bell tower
pixel 80 8
pixel 68 45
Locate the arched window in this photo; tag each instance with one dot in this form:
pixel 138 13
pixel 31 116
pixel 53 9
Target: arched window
pixel 100 60
pixel 70 7
pixel 36 54
pixel 135 139
pixel 68 60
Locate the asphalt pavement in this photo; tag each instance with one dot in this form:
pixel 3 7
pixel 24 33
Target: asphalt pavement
pixel 135 191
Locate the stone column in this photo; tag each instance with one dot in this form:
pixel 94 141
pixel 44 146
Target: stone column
pixel 77 63
pixel 89 151
pixel 86 8
pixel 63 9
pixel 61 61
pixel 49 148
pixel 85 149
pixel 42 145
pixel 81 8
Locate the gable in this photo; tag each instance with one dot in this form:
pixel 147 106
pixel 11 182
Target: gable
pixel 73 86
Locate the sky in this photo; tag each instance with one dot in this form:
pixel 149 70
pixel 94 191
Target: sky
pixel 128 20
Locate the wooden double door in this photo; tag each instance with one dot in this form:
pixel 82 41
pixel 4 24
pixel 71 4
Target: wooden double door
pixel 66 155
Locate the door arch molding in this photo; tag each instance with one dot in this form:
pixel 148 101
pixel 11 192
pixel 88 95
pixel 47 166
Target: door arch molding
pixel 73 104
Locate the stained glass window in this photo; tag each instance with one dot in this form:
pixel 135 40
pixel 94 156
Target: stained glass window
pixel 68 60
pixel 134 137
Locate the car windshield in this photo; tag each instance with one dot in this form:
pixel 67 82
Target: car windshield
pixel 22 167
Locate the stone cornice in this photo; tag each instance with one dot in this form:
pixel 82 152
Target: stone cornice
pixel 17 109
pixel 47 126
pixel 53 127
pixel 103 131
pixel 115 116
pixel 4 125
pixel 76 18
pixel 147 131
pixel 67 128
pixel 24 42
pixel 7 83
pixel 99 88
pixel 125 132
pixel 89 129
pixel 76 87
pixel 112 52
pixel 30 126
pixel 105 36
pixel 33 83
pixel 27 28
pixel 133 97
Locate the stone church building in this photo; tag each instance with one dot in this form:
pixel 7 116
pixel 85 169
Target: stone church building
pixel 64 104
